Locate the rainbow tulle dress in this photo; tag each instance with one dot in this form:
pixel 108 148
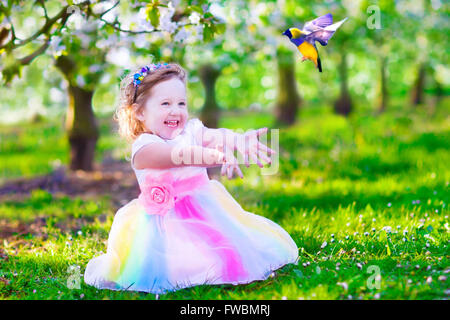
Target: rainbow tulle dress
pixel 185 230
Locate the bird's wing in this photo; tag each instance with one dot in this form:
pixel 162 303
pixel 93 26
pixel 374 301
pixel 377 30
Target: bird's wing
pixel 318 23
pixel 322 36
pixel 335 26
pixel 325 34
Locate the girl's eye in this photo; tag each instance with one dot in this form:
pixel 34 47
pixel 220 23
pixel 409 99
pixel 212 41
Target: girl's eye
pixel 182 103
pixel 165 103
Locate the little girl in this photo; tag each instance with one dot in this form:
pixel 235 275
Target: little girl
pixel 184 229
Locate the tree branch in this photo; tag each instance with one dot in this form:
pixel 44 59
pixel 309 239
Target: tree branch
pixel 41 2
pixel 117 27
pixel 116 24
pixel 26 60
pixel 105 12
pixel 64 14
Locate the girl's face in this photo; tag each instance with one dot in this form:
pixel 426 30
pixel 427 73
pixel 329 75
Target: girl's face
pixel 165 111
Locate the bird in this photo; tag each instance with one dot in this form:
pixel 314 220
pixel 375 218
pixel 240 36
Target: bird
pixel 320 29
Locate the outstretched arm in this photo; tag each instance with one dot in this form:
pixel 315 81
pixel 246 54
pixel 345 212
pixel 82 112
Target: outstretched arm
pixel 227 141
pixel 213 138
pixel 158 155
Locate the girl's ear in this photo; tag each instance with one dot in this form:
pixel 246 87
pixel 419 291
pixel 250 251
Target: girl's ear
pixel 138 111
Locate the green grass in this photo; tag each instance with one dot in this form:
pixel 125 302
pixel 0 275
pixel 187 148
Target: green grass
pixel 340 183
pixel 37 148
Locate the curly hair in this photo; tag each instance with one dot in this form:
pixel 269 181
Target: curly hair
pixel 129 126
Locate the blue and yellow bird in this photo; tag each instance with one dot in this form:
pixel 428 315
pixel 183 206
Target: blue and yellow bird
pixel 320 29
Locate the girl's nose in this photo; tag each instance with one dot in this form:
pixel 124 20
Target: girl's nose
pixel 174 111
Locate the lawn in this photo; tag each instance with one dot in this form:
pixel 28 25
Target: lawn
pixel 365 198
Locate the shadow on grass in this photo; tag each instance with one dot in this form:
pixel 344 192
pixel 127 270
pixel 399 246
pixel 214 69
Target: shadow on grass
pixel 279 202
pixel 371 168
pixel 429 141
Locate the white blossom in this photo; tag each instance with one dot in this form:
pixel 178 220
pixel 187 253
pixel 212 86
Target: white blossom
pixel 194 18
pixel 199 32
pixel 344 285
pixel 174 3
pixel 140 40
pixel 102 6
pixel 56 46
pixel 143 22
pixel 95 68
pixel 119 56
pixel 166 23
pixel 181 35
pixel 388 229
pixel 276 18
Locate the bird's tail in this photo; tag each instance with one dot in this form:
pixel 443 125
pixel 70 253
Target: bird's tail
pixel 319 64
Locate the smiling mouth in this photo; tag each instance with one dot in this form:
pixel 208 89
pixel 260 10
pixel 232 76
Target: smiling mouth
pixel 172 123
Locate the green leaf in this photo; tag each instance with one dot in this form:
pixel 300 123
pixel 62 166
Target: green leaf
pixel 383 236
pixel 220 28
pixel 265 20
pixel 153 15
pixel 196 8
pixel 10 71
pixel 208 33
pixel 388 249
pixel 208 15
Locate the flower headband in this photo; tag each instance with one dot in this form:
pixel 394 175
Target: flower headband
pixel 139 76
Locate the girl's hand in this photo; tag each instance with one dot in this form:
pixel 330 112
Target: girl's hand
pixel 231 164
pixel 213 156
pixel 249 146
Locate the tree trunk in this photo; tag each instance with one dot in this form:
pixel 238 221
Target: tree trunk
pixel 82 129
pixel 438 94
pixel 210 113
pixel 384 94
pixel 418 88
pixel 81 125
pixel 288 100
pixel 343 104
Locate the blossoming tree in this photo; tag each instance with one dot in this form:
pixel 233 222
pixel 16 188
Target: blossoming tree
pixel 80 35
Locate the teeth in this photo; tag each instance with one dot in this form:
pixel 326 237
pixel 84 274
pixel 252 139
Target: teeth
pixel 171 123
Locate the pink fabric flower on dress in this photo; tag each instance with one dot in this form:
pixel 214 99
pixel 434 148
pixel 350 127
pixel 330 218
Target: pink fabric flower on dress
pixel 157 194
